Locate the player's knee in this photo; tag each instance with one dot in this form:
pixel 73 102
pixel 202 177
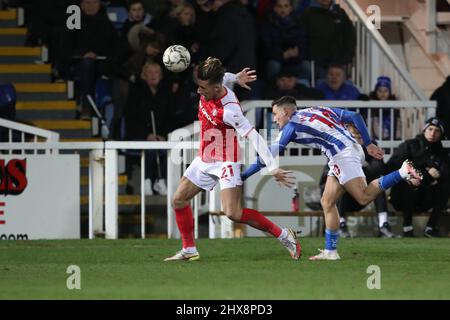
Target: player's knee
pixel 363 200
pixel 178 202
pixel 233 213
pixel 327 204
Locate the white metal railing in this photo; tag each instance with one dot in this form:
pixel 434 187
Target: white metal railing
pixel 374 58
pixel 27 133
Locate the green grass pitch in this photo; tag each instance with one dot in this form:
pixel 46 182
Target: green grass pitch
pixel 250 268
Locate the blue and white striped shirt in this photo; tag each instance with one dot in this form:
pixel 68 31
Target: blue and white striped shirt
pixel 317 127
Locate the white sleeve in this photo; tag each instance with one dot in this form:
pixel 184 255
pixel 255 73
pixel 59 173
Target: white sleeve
pixel 229 79
pixel 233 116
pixel 263 151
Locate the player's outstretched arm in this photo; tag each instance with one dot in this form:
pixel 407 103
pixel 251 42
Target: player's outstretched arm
pixel 246 76
pixel 242 78
pixel 234 117
pixel 355 118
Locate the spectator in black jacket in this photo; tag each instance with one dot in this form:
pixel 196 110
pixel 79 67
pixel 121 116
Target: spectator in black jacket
pixel 87 48
pixel 136 15
pixel 429 156
pixel 125 65
pixel 232 38
pixel 283 41
pixel 150 95
pixel 330 35
pixel 442 97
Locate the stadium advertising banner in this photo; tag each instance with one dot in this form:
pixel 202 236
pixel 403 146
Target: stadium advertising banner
pixel 39 197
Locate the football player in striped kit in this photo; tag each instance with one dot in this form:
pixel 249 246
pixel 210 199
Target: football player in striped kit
pixel 326 129
pixel 218 161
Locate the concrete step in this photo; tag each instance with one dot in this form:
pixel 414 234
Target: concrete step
pixel 8 18
pixel 13 36
pixel 19 54
pixel 84 183
pixel 41 91
pixel 25 72
pixel 124 200
pixel 122 180
pixel 68 129
pixel 46 105
pixel 62 124
pixel 36 114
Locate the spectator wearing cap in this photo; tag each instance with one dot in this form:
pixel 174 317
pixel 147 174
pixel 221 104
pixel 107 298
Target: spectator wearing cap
pixel 383 92
pixel 430 157
pixel 336 87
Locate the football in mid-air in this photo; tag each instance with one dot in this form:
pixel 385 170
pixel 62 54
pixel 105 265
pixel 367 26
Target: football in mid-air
pixel 176 58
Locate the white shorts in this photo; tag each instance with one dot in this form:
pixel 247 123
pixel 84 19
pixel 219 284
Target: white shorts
pixel 347 164
pixel 206 175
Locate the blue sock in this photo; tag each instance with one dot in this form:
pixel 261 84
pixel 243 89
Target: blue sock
pixel 387 181
pixel 331 239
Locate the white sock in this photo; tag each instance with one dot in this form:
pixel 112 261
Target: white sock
pixel 190 250
pixel 283 234
pixel 382 218
pixel 330 251
pixel 342 219
pixel 428 229
pixel 408 228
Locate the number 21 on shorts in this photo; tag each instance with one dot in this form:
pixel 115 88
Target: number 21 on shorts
pixel 227 172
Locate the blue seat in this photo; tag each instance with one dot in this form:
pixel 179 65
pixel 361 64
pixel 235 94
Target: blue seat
pixel 118 16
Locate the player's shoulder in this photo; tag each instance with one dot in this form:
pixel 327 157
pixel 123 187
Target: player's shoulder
pixel 229 99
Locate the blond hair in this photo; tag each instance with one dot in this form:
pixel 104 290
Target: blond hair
pixel 211 70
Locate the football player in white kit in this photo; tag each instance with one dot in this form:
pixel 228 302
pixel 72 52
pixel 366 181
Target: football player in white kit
pixel 221 116
pixel 325 129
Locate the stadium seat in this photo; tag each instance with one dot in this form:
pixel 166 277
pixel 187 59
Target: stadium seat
pixel 117 15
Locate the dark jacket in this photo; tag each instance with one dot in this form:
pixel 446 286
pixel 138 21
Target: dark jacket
pixel 140 103
pixel 330 35
pixel 346 92
pixel 423 154
pixel 279 34
pixel 442 96
pixel 97 34
pixel 299 92
pixel 232 38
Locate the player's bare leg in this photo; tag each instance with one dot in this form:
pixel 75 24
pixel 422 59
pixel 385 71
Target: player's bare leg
pixel 231 203
pixel 183 214
pixel 185 192
pixel 333 191
pixel 364 193
pixel 361 192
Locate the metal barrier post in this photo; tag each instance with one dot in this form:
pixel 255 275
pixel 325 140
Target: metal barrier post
pixel 96 162
pixel 111 194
